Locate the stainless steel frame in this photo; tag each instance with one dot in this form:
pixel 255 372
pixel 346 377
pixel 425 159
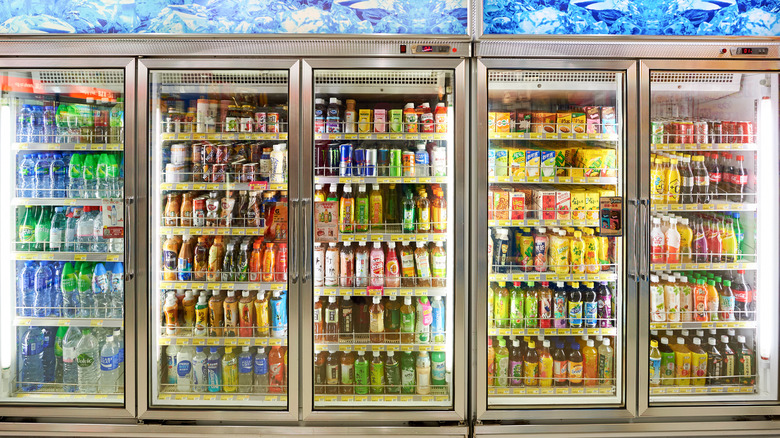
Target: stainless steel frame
pixel 458 413
pixel 128 411
pixel 479 263
pixel 723 409
pixel 146 411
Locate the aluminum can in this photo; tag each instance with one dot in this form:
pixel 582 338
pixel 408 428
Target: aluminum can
pixel 744 132
pixel 408 164
pixel 334 158
pixel 371 163
pixel 701 132
pixel 249 172
pixel 656 132
pixel 179 153
pixel 395 163
pixel 272 122
pixel 345 159
pixel 383 161
pixel 218 173
pixel 222 153
pixel 359 162
pixel 260 121
pixel 729 129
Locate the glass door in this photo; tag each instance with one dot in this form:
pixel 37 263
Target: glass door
pixel 63 141
pixel 219 230
pixel 555 261
pixel 714 189
pixel 384 239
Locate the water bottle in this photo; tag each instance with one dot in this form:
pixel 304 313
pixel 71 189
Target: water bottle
pixel 100 287
pixel 48 359
pixel 59 224
pixel 36 123
pixel 69 290
pixel 26 176
pixel 75 179
pixel 100 244
pixel 41 180
pixel 109 367
pixel 84 231
pixel 101 177
pixel 70 372
pixel 58 176
pixel 25 289
pixel 42 290
pixel 23 119
pixel 199 372
pixel 31 372
pixel 184 370
pixel 49 125
pixel 58 339
pixel 171 352
pixel 112 177
pixel 118 290
pixel 86 301
pixel 87 358
pixel 214 371
pixel 117 122
pixel 88 175
pixel 261 371
pixel 61 115
pixel 70 229
pixel 119 340
pixel 42 231
pixel 57 300
pixel 245 370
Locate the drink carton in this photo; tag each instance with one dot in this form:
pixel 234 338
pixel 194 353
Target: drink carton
pixel 364 120
pixel 380 120
pixel 532 161
pixel 545 201
pixel 503 122
pixel 608 119
pixel 517 203
pixel 523 122
pixel 491 162
pixel 563 204
pixel 592 205
pixel 578 123
pixel 502 162
pixel 500 204
pixel 547 163
pixel 518 163
pixel 492 122
pixel 564 122
pixel 593 119
pixel 578 204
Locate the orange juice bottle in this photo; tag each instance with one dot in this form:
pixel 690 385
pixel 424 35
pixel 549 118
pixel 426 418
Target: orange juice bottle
pixel 713 299
pixel 346 211
pixel 545 365
pixel 590 364
pixel 376 207
pixel 700 302
pixel 269 262
pixel 439 211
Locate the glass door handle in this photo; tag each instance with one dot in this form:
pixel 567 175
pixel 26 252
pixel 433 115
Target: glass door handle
pixel 644 262
pixel 293 227
pixel 128 249
pixel 632 273
pixel 307 212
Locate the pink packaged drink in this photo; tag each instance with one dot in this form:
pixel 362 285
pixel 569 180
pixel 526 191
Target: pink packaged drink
pixel 593 119
pixel 380 119
pixel 608 120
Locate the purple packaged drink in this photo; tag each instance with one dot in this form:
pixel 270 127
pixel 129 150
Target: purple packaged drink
pixel 345 163
pixel 605 305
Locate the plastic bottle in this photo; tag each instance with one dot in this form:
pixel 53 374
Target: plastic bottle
pixel 502 364
pixel 531 306
pixel 245 370
pixel 577 249
pixel 117 122
pixel 686 181
pixel 58 177
pixel 109 367
pixel 657 243
pixel 88 175
pixel 682 359
pixel 672 300
pixel 85 294
pixel 42 286
pixel 423 373
pixel 739 181
pixel 701 180
pixel 84 231
pixel 36 124
pixel 229 365
pixel 214 370
pixel 70 372
pixel 42 178
pixel 42 229
pixel 71 221
pixel 57 230
pixel 23 124
pixel 657 183
pixel 31 366
pixel 88 358
pixel 700 302
pixel 516 364
pixel 410 118
pixel 117 290
pixel 99 243
pixel 75 176
pixel 546 366
pixel 25 179
pixel 423 213
pixel 199 371
pixel 575 306
pixel 655 364
pixel 590 364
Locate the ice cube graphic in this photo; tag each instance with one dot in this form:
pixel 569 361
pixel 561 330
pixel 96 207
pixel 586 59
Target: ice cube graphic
pixel 500 25
pixel 12 8
pixel 181 19
pixel 607 11
pixel 346 20
pixel 679 26
pixel 371 11
pixel 498 9
pixel 146 10
pixel 727 21
pixel 88 16
pixel 625 26
pixel 760 23
pixel 581 21
pixel 308 20
pixel 544 21
pixel 26 24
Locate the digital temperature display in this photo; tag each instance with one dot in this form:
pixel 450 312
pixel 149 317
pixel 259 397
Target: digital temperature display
pixel 431 49
pixel 750 51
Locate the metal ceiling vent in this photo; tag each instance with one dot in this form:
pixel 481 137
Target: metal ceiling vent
pixel 226 77
pixel 551 76
pixel 80 77
pixel 378 77
pixel 695 81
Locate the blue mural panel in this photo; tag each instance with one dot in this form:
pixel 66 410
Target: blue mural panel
pixel 632 17
pixel 434 17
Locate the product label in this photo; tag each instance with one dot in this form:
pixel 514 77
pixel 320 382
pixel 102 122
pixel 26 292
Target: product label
pixel 185 269
pixel 245 364
pixel 331 316
pixel 655 371
pixel 361 374
pixel 261 365
pixel 183 368
pixel 439 265
pixel 85 360
pixel 575 372
pixel 590 313
pixel 560 370
pixel 407 322
pixel 169 260
pixel 575 313
pixel 347 374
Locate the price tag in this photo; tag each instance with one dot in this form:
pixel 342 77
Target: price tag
pixel 182 341
pixel 199 136
pixel 426 136
pixel 396 136
pixel 383 136
pixel 581 136
pixel 243 342
pixel 213 136
pixel 274 342
pixel 212 341
pixel 568 136
pixel 350 136
pixel 198 341
pixel 80 257
pixel 551 136
pixel 548 179
pixel 97 323
pixel 532 222
pixel 534 277
pixel 261 342
pixel 577 331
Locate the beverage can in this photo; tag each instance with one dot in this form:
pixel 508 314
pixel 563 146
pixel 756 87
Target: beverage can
pixel 249 172
pixel 395 162
pixel 197 153
pixel 260 121
pixel 686 134
pixel 179 153
pixel 334 158
pixel 359 163
pixel 345 159
pixel 744 132
pixel 727 134
pixel 222 153
pixel 272 122
pixel 408 161
pixel 701 132
pixel 656 132
pixel 371 160
pixel 176 173
pixel 383 161
pixel 201 115
pixel 218 173
pixel 208 153
pixel 716 131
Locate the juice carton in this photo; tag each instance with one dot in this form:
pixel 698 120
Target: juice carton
pixel 592 205
pixel 502 162
pixel 593 119
pixel 500 204
pixel 491 122
pixel 380 120
pixel 549 121
pixel 491 162
pixel 518 163
pixel 364 120
pixel 537 122
pixel 396 120
pixel 560 162
pixel 563 204
pixel 547 163
pixel 532 162
pixel 523 122
pixel 564 122
pixel 517 203
pixel 491 195
pixel 578 122
pixel 502 122
pixel 578 204
pixel 608 120
pixel 545 201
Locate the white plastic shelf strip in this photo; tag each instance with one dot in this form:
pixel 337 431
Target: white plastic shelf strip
pixel 552 80
pixel 81 77
pixel 724 82
pixel 223 77
pixel 385 81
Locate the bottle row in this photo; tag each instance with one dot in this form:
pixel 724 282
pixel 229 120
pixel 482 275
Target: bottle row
pixel 529 362
pixel 70 290
pixel 225 313
pixel 81 175
pixel 221 115
pixel 67 229
pixel 385 209
pixel 224 162
pixel 380 320
pixel 334 117
pixel 580 120
pixel 557 250
pixel 546 305
pixel 210 258
pixel 422 266
pixel 262 209
pixel 701 297
pixel 88 122
pixel 546 203
pixel 70 359
pixel 699 178
pixel 689 362
pixel 530 163
pixel 338 372
pixel 346 160
pixel 698 238
pixel 678 131
pixel 224 370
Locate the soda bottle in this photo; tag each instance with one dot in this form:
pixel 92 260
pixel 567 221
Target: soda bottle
pixel 516 364
pixel 560 365
pixel 701 180
pixel 739 181
pixel 575 306
pixel 545 365
pixel 686 181
pixel 362 373
pixel 714 171
pixel 531 307
pixel 700 244
pixel 531 365
pixel 560 306
pixel 502 363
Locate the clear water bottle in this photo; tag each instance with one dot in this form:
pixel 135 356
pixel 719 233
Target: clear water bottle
pixel 199 371
pixel 58 176
pixel 42 284
pixel 36 124
pixel 41 179
pixel 117 122
pixel 25 290
pixel 119 340
pixel 88 358
pixel 70 290
pixel 245 370
pixel 71 219
pixel 57 230
pixel 100 288
pixel 70 371
pixel 89 177
pixel 118 290
pixel 84 284
pixel 101 177
pixel 184 370
pixel 49 125
pixel 100 244
pixel 57 301
pixel 75 180
pixel 23 119
pixel 31 372
pixel 171 352
pixel 85 230
pixel 58 338
pixel 48 359
pixel 112 177
pixel 261 371
pixel 109 367
pixel 25 180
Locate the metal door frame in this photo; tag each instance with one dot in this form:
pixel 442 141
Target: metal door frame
pixel 128 411
pixel 682 409
pixel 146 411
pixel 459 376
pixel 478 266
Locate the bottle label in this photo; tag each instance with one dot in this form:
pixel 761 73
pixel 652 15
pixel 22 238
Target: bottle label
pixel 740 180
pixel 185 269
pixel 377 324
pixel 377 374
pixel 331 316
pixel 169 260
pixel 407 259
pixel 715 178
pixel 407 376
pixel 261 365
pixel 560 370
pixel 245 364
pixel 85 360
pixel 655 371
pixel 559 307
pixel 361 373
pixel 183 368
pixel 347 374
pixel 741 296
pixel 439 265
pixel 109 363
pixel 26 233
pixel 590 312
pixel 575 372
pixel 407 322
pixel 727 307
pixel 317 316
pixel 575 313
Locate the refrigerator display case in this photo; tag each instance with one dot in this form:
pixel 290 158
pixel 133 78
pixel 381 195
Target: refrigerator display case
pixel 221 302
pixel 710 305
pixel 552 279
pixel 386 239
pixel 62 337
